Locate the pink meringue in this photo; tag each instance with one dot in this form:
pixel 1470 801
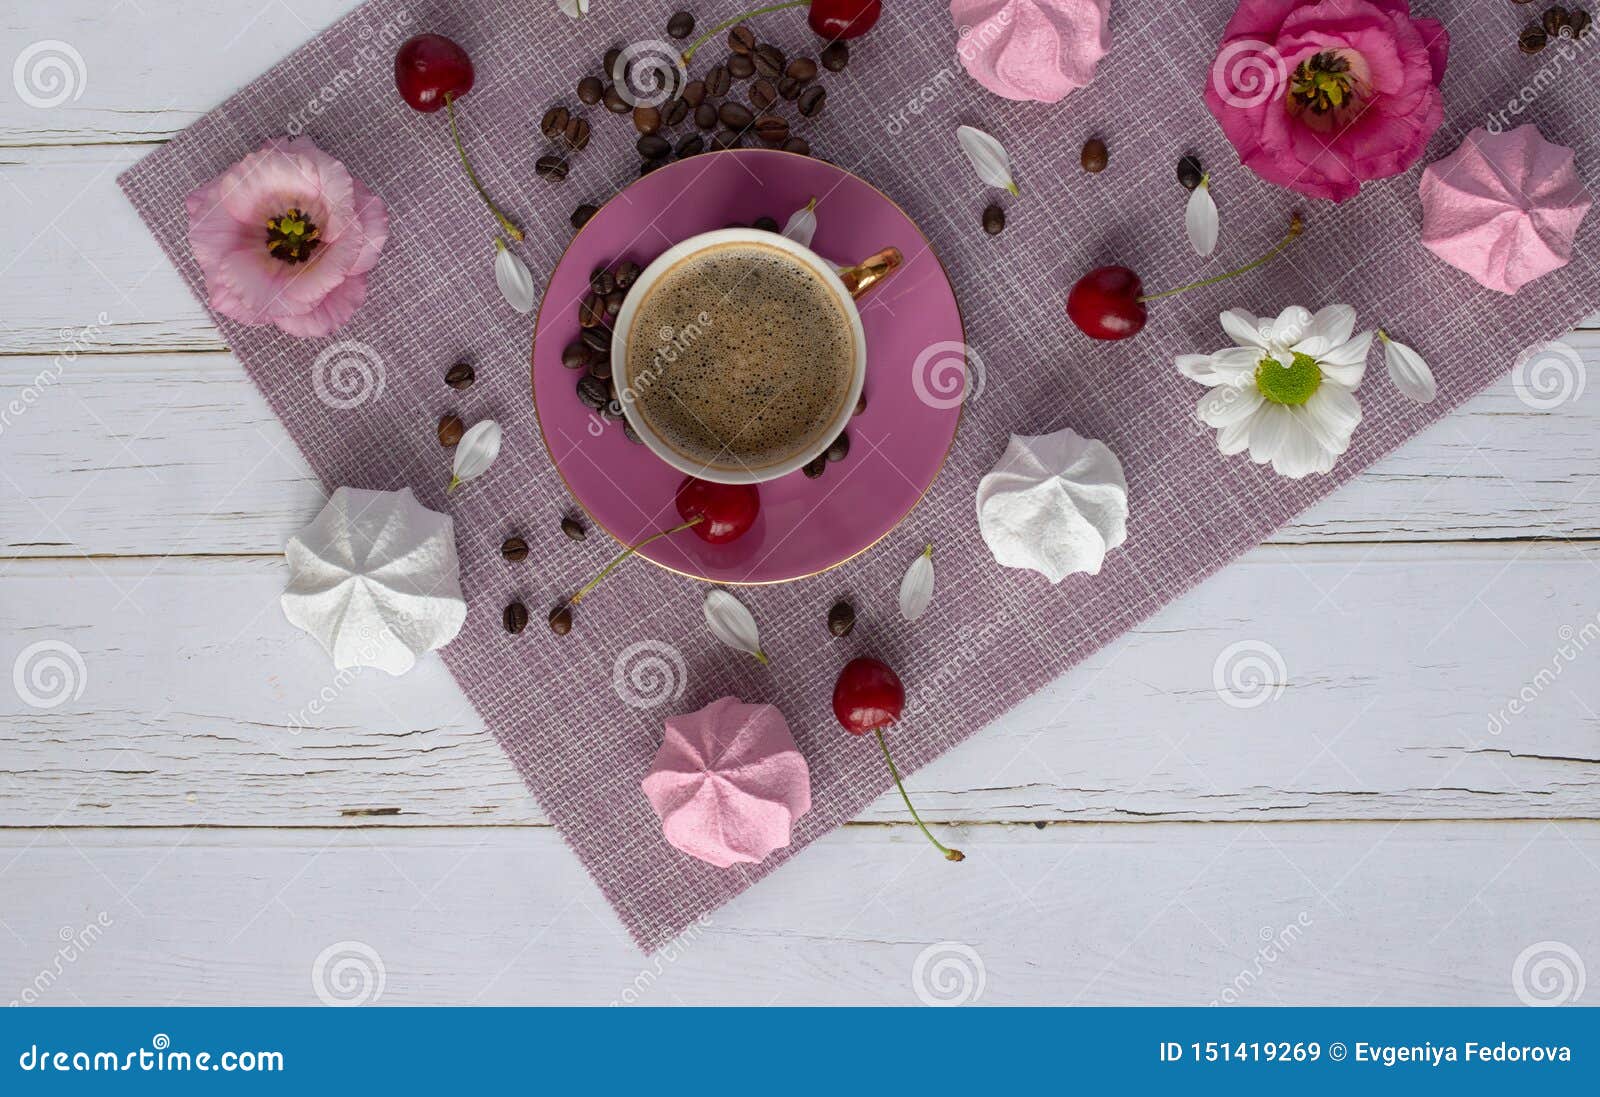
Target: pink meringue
pixel 1032 49
pixel 728 782
pixel 1504 207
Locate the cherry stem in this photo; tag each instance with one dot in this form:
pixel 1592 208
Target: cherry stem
pixel 1296 227
pixel 688 54
pixel 472 176
pixel 627 552
pixel 949 854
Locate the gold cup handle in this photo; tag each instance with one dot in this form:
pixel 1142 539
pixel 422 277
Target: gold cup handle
pixel 870 271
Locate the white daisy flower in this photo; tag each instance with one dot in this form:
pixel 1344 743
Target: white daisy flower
pixel 1285 391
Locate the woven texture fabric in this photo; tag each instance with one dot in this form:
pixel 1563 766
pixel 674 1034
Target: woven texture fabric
pixel 994 635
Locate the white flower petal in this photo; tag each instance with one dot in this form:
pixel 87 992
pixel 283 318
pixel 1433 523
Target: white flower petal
pixel 1236 365
pixel 1299 453
pixel 1408 371
pixel 1244 328
pixel 1329 328
pixel 916 589
pixel 475 452
pixel 1197 367
pixel 512 276
pixel 573 9
pixel 1290 327
pixel 1200 219
pixel 1269 430
pixel 1235 438
pixel 1227 404
pixel 802 224
pixel 733 624
pixel 1347 363
pixel 989 157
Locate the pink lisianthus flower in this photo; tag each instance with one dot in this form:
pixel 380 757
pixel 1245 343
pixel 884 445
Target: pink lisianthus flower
pixel 286 237
pixel 1321 96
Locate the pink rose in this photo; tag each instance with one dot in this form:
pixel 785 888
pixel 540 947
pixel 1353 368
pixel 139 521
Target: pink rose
pixel 286 237
pixel 1320 96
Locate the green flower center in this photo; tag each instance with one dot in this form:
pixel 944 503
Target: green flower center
pixel 1325 90
pixel 292 237
pixel 1293 384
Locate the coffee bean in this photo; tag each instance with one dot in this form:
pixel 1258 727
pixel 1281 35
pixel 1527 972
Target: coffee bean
pixel 561 620
pixel 741 66
pixel 601 366
pixel 736 116
pixel 769 60
pixel 590 89
pixel 816 467
pixel 690 146
pixel 630 434
pixel 612 410
pixel 555 120
pixel 450 430
pixel 718 81
pixel 591 311
pixel 799 145
pixel 681 25
pixel 994 220
pixel 765 224
pixel 627 273
pixel 609 62
pixel 646 119
pixel 598 343
pixel 652 145
pixel 1190 172
pixel 653 165
pixel 592 392
pixel 812 100
pixel 1554 20
pixel 840 448
pixel 841 618
pixel 861 405
pixel 789 88
pixel 614 101
pixel 602 281
pixel 835 56
pixel 673 111
pixel 553 168
pixel 763 94
pixel 1578 22
pixel 1532 40
pixel 694 92
pixel 1094 156
pixel 614 301
pixel 580 216
pixel 515 618
pixel 460 376
pixel 726 139
pixel 705 116
pixel 802 69
pixel 772 129
pixel 577 134
pixel 574 356
pixel 741 39
pixel 514 549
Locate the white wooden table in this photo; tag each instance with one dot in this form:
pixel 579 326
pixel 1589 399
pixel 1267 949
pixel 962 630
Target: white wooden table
pixel 192 828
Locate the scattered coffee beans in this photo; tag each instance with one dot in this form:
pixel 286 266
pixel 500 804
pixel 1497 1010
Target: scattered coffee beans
pixel 741 67
pixel 765 224
pixel 460 376
pixel 561 620
pixel 575 356
pixel 705 116
pixel 769 60
pixel 799 145
pixel 580 216
pixel 736 116
pixel 652 145
pixel 592 392
pixel 1190 172
pixel 591 311
pixel 690 146
pixel 555 121
pixel 994 220
pixel 573 529
pixel 816 467
pixel 515 618
pixel 789 88
pixel 835 56
pixel 812 99
pixel 1094 156
pixel 646 119
pixel 590 90
pixel 718 81
pixel 1532 40
pixel 741 39
pixel 840 448
pixel 772 129
pixel 450 430
pixel 514 549
pixel 576 134
pixel 553 168
pixel 673 111
pixel 841 618
pixel 802 69
pixel 681 25
pixel 763 94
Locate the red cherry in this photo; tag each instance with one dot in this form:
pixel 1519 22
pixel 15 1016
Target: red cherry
pixel 725 511
pixel 1105 303
pixel 868 696
pixel 429 67
pixel 834 19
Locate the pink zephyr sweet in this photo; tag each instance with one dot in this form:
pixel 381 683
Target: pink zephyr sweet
pixel 728 782
pixel 1504 207
pixel 1032 49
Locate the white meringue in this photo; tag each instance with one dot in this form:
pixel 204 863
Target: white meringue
pixel 1056 503
pixel 375 579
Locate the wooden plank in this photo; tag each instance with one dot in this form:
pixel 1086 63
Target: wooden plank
pixel 1401 672
pixel 1159 914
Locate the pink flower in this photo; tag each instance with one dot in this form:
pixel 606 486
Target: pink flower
pixel 286 237
pixel 1321 96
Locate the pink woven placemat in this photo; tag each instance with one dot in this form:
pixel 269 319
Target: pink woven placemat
pixel 994 635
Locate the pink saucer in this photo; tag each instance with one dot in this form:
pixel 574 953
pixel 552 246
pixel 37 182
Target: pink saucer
pixel 915 370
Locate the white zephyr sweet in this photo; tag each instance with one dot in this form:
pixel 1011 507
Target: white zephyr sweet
pixel 375 579
pixel 1056 503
